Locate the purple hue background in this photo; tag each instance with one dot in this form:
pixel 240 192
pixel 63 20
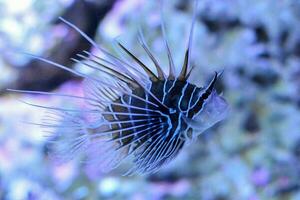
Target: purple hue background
pixel 253 154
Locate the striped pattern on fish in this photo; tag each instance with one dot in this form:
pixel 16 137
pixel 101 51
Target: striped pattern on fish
pixel 133 113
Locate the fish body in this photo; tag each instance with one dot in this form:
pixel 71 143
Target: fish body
pixel 176 96
pixel 153 124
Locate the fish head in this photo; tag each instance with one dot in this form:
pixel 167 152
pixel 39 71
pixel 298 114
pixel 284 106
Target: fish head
pixel 214 110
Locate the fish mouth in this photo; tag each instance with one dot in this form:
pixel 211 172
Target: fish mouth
pixel 205 122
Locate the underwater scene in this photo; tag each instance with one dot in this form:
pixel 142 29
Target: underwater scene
pixel 150 100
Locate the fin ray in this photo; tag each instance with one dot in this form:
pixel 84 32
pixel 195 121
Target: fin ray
pixel 160 72
pixel 187 57
pixel 171 75
pixel 151 75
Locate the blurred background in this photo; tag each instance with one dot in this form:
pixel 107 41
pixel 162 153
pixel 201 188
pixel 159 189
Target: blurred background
pixel 254 154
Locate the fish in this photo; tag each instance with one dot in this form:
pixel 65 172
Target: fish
pixel 134 114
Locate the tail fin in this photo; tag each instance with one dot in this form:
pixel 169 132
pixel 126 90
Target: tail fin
pixel 69 137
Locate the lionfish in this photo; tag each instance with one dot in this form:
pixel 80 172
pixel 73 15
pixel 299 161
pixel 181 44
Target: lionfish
pixel 138 115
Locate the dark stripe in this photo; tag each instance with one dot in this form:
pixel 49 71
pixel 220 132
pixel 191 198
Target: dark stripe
pixel 198 106
pixel 187 97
